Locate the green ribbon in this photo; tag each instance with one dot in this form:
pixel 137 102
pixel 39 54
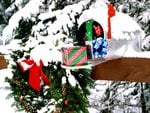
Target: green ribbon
pixel 89 30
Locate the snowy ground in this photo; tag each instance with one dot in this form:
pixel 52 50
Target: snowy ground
pixel 5 104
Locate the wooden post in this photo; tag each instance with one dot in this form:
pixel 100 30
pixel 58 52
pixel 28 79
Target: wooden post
pixel 123 69
pixel 3 63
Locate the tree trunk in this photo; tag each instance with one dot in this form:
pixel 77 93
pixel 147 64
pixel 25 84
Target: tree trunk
pixel 142 99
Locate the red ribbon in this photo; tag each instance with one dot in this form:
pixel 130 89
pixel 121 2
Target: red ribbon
pixel 35 73
pixel 111 13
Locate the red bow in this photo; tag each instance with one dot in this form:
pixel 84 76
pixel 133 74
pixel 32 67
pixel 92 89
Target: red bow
pixel 111 13
pixel 35 73
pixel 97 30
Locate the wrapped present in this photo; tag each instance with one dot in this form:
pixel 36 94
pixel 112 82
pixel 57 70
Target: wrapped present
pixel 3 63
pixel 75 56
pixel 90 30
pixel 97 48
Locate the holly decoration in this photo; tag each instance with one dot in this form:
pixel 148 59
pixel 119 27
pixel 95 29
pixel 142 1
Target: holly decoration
pixel 21 99
pixel 66 102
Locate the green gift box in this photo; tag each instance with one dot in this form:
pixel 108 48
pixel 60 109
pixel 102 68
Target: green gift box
pixel 75 56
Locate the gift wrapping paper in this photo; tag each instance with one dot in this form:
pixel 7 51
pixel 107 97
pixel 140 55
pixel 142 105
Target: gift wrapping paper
pixel 97 48
pixel 74 56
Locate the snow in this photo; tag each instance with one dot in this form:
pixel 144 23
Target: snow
pixel 126 39
pixel 46 15
pixel 24 13
pixel 99 14
pixel 1 41
pixel 46 54
pixel 5 103
pixel 145 16
pixel 123 23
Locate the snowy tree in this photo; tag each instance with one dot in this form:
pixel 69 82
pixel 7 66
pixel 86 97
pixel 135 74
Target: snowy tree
pixel 50 31
pixel 4 4
pixel 36 27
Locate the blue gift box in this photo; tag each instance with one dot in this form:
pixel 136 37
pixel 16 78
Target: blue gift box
pixel 98 48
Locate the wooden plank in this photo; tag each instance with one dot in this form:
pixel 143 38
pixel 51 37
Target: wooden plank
pixel 123 69
pixel 3 63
